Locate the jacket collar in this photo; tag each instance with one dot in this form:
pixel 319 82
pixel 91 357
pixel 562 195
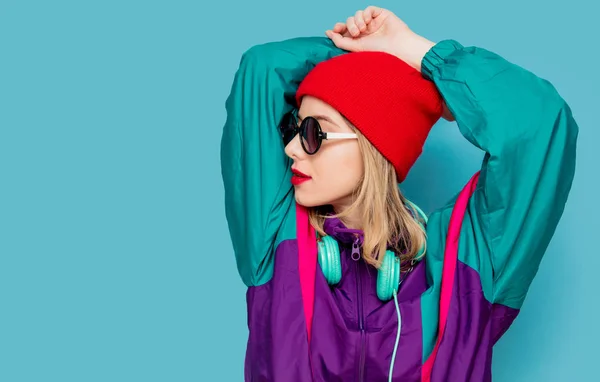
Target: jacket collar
pixel 334 227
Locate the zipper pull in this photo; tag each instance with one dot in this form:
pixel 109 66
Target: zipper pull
pixel 355 250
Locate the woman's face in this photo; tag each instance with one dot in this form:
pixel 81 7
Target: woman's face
pixel 335 170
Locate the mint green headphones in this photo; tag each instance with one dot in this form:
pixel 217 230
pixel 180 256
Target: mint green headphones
pixel 388 275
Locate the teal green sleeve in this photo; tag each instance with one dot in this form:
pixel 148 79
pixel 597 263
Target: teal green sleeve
pixel 528 134
pixel 255 170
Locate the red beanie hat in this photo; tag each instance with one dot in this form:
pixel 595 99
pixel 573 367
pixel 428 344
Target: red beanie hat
pixel 387 100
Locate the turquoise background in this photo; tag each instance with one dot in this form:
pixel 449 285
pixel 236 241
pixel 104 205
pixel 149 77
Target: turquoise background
pixel 115 260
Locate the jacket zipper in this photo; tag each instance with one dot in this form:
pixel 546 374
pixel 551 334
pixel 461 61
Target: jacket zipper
pixel 361 324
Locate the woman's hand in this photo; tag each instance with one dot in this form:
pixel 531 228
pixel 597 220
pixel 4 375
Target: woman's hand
pixel 377 29
pixel 372 29
pixel 380 30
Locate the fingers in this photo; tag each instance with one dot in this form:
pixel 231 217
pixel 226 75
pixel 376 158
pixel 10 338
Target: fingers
pixel 355 25
pixel 343 42
pixel 371 12
pixel 351 25
pixel 340 28
pixel 360 21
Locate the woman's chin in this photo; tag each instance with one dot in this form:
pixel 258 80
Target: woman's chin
pixel 306 200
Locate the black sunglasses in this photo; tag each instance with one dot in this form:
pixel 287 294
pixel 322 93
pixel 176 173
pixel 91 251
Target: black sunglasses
pixel 310 131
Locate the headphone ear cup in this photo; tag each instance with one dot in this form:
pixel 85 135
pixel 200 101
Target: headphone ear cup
pixel 329 259
pixel 388 276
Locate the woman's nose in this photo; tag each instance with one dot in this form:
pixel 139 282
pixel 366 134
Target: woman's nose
pixel 294 148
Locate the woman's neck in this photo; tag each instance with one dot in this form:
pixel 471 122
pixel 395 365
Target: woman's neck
pixel 352 220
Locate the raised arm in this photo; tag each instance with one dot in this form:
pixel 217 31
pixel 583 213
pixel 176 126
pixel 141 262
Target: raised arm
pixel 529 137
pixel 255 169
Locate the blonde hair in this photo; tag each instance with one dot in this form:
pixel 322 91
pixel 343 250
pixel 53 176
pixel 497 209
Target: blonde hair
pixel 382 210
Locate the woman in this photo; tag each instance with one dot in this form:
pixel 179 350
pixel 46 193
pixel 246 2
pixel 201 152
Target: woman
pixel 394 295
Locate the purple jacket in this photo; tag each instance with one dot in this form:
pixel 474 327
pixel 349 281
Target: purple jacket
pixel 483 250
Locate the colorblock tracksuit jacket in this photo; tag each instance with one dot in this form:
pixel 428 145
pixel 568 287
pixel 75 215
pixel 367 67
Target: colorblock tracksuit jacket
pixel 482 253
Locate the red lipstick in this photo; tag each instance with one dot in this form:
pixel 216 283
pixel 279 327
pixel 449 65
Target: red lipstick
pixel 299 177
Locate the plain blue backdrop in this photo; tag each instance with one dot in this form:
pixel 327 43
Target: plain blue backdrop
pixel 115 260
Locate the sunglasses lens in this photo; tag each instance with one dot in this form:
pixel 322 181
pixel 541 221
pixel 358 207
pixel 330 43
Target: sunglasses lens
pixel 310 135
pixel 287 128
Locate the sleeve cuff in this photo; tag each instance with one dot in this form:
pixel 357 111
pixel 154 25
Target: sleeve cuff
pixel 436 56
